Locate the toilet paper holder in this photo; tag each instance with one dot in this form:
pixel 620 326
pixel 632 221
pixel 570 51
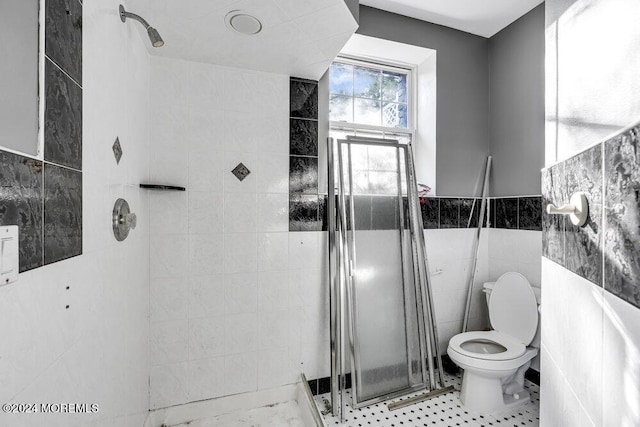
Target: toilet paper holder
pixel 577 209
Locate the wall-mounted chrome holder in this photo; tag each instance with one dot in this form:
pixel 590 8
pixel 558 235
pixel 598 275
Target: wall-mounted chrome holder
pixel 123 220
pixel 577 209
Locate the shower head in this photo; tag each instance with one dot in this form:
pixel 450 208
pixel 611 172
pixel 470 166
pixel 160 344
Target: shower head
pixel 154 36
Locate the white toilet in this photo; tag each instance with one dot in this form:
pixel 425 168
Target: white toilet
pixel 495 362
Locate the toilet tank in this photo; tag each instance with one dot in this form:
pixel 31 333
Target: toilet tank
pixel 487 287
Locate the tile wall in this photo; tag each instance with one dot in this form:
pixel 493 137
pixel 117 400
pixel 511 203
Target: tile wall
pixel 237 302
pixel 306 207
pixel 45 198
pixel 79 329
pixel 604 251
pixel 596 269
pixel 517 213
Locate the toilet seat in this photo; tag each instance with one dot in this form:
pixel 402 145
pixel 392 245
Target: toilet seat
pixel 513 348
pixel 513 309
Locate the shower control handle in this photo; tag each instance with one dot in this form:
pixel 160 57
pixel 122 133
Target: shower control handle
pixel 123 220
pixel 130 220
pixel 577 209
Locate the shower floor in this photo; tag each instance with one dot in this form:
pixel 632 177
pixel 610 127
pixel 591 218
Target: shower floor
pixel 281 414
pixel 444 410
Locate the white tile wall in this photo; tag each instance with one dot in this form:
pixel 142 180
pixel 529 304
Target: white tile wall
pixel 591 349
pixel 223 261
pixel 97 350
pixel 572 354
pixel 515 250
pixel 450 258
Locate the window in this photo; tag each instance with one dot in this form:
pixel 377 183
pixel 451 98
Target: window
pixel 369 96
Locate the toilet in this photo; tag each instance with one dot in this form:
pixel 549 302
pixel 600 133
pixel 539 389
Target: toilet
pixel 494 362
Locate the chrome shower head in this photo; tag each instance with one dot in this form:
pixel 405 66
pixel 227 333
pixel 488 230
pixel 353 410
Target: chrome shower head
pixel 154 36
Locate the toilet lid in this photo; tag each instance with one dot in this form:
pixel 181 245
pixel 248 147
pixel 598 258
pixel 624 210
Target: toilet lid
pixel 513 309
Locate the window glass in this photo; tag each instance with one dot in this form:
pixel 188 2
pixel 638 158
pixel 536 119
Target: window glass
pixel 368 96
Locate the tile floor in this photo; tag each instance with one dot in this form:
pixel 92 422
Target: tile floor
pixel 285 414
pixel 445 410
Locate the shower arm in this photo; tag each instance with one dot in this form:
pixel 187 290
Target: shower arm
pixel 124 15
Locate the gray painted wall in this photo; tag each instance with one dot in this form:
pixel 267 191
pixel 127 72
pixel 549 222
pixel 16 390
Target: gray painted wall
pixel 354 7
pixel 463 94
pixel 516 105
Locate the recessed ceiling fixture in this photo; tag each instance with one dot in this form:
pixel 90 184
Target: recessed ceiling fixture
pixel 242 22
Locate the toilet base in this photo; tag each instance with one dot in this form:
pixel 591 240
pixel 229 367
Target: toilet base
pixel 484 394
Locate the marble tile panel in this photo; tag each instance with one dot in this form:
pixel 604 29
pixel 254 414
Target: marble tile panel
pixel 323 206
pixel 553 226
pixel 63 35
pixel 62 213
pixel 622 239
pixel 303 137
pixel 21 205
pixel 303 213
pixel 62 119
pixel 303 98
pixel 469 212
pixel 530 213
pixel 506 211
pixel 303 174
pixel 449 213
pixel 430 207
pixel 583 245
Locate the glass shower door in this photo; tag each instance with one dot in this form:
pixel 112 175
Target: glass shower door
pixel 383 302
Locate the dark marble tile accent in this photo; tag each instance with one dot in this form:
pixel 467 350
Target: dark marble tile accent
pixel 241 171
pixel 62 119
pixel 117 150
pixel 384 213
pixel 323 206
pixel 324 385
pixel 313 385
pixel 62 213
pixel 533 376
pixel 449 213
pixel 303 174
pixel 491 207
pixel 553 184
pixel 622 240
pixel 63 35
pixel 583 245
pixel 506 211
pixel 469 212
pixel 303 98
pixel 530 213
pixel 303 137
pixel 303 213
pixel 21 205
pixel 430 207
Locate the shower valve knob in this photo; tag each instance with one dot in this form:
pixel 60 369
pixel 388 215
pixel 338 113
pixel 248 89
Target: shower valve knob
pixel 130 220
pixel 123 220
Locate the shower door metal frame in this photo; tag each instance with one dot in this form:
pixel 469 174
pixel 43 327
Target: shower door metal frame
pixel 342 245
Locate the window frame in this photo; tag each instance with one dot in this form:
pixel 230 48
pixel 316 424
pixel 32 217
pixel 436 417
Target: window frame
pixel 378 64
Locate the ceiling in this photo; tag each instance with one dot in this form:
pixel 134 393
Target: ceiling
pixel 482 17
pixel 298 38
